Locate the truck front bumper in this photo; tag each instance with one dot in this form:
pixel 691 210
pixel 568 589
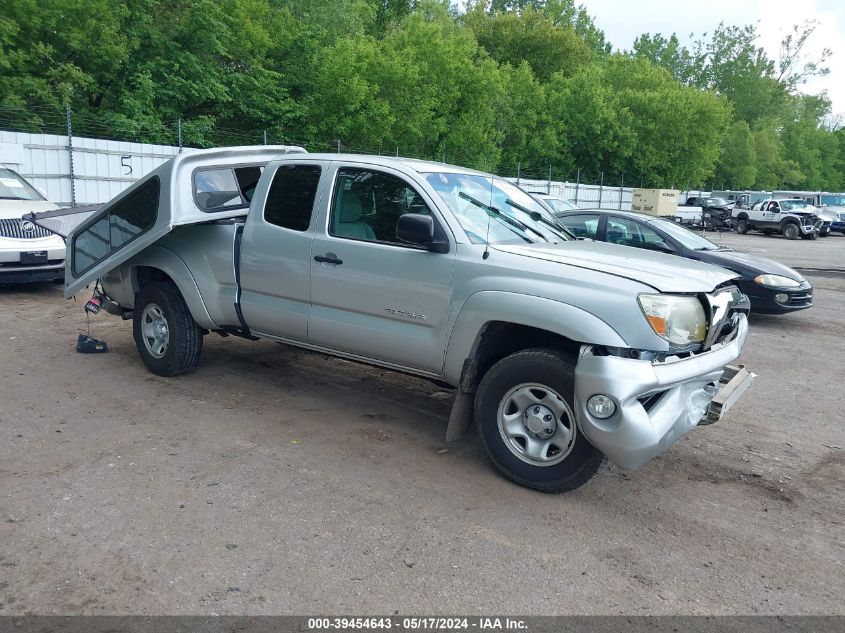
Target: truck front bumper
pixel 656 403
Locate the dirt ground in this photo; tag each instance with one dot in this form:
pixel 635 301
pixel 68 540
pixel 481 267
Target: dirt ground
pixel 278 481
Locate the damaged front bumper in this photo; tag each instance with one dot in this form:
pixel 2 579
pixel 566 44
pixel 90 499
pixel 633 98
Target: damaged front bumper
pixel 657 403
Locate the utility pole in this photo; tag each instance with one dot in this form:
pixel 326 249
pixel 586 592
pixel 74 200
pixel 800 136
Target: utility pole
pixel 577 185
pixel 70 155
pixel 179 132
pixel 621 190
pixel 601 187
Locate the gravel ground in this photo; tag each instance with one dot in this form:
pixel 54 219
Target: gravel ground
pixel 275 481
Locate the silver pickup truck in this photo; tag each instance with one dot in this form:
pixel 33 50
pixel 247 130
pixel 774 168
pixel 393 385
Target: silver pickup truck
pixel 563 352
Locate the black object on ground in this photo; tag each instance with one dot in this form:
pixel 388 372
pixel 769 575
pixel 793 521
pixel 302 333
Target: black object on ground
pixel 88 345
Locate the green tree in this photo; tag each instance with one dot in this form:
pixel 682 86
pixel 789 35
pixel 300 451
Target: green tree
pixel 426 88
pixel 511 37
pixel 525 126
pixel 679 129
pixel 595 131
pixel 737 166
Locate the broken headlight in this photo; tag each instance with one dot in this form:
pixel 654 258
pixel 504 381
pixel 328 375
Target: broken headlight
pixel 677 318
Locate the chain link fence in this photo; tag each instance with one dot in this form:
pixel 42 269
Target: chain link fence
pixel 77 159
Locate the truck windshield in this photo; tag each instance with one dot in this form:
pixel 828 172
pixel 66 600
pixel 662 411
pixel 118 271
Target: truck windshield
pixel 493 210
pixel 789 205
pixel 13 187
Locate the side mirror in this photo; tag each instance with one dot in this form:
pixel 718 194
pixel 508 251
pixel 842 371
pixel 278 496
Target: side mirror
pixel 662 247
pixel 418 228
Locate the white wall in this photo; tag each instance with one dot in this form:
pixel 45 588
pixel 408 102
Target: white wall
pixel 586 196
pixel 101 168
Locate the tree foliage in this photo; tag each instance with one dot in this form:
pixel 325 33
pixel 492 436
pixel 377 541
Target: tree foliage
pixel 500 84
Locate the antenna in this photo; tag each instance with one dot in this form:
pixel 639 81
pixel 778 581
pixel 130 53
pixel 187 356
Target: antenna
pixel 489 213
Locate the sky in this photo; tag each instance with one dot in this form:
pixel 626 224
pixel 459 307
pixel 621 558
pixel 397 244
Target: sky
pixel 623 20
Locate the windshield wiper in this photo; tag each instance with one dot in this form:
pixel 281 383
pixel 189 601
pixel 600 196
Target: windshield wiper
pixel 502 216
pixel 537 216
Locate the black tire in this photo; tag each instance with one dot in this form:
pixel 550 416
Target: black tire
pixel 791 231
pixel 184 345
pixel 556 370
pixel 810 236
pixel 824 232
pixel 742 226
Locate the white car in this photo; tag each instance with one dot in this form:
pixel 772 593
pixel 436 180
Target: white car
pixel 558 204
pixel 27 252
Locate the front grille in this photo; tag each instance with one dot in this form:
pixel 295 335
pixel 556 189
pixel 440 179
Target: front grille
pixel 20 229
pixel 650 400
pixel 51 262
pixel 803 299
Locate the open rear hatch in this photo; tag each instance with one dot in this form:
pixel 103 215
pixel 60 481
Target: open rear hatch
pixel 194 187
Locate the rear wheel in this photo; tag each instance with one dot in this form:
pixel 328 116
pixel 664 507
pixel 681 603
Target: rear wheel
pixel 524 410
pixel 791 231
pixel 166 335
pixel 742 226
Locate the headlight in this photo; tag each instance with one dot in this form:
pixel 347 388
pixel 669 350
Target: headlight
pixel 777 281
pixel 677 318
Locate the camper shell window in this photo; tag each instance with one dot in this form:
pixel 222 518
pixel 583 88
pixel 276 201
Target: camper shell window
pixel 225 188
pixel 122 223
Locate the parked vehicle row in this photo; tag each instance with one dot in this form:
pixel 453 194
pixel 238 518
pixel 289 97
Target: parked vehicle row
pixel 564 352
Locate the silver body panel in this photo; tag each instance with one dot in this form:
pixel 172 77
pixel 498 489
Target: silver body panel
pixel 423 312
pixel 634 435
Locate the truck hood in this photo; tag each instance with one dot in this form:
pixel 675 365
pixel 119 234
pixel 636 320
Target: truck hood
pixel 13 209
pixel 666 273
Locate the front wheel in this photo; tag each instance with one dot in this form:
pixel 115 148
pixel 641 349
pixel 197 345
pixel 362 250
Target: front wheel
pixel 524 410
pixel 791 231
pixel 742 226
pixel 166 335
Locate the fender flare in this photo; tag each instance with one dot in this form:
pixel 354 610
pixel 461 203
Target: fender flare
pixel 485 307
pixel 173 266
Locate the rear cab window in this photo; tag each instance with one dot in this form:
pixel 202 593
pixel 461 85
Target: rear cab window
pixel 290 199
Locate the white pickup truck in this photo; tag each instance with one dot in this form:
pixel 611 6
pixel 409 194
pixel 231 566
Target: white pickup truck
pixel 792 218
pixel 563 352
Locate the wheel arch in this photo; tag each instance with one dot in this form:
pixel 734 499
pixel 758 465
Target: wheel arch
pixel 492 324
pixel 156 264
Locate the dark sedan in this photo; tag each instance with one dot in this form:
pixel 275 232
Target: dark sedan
pixel 772 287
